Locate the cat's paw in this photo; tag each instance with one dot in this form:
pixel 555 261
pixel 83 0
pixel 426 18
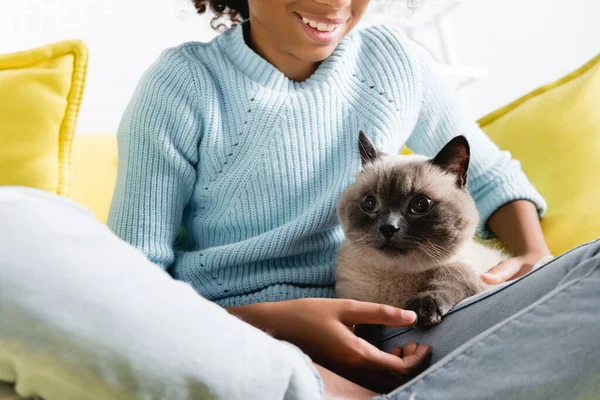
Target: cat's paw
pixel 427 310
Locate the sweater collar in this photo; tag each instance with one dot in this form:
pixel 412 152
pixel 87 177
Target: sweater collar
pixel 258 69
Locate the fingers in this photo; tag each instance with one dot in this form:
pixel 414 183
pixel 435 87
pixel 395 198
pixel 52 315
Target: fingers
pixel 407 350
pixel 521 272
pixel 423 352
pixel 359 312
pixel 413 356
pixel 502 272
pixel 420 353
pixel 384 376
pixel 397 351
pixel 410 349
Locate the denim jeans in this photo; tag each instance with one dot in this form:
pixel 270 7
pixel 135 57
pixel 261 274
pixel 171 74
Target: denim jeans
pixel 537 337
pixel 83 315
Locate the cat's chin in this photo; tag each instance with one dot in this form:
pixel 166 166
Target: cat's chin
pixel 409 260
pixel 389 248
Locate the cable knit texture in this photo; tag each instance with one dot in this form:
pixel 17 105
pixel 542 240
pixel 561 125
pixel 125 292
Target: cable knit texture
pixel 229 172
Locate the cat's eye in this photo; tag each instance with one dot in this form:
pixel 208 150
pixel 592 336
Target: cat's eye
pixel 369 204
pixel 420 205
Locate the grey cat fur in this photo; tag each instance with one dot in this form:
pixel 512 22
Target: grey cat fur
pixel 431 262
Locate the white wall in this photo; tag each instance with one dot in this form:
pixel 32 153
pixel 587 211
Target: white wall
pixel 524 43
pixel 124 38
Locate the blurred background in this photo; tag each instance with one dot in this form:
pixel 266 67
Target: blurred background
pixel 492 51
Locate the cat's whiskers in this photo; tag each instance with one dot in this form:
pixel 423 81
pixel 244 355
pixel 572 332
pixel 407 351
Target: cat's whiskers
pixel 444 252
pixel 359 241
pixel 437 252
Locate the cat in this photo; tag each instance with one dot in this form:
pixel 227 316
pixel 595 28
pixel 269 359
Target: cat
pixel 409 227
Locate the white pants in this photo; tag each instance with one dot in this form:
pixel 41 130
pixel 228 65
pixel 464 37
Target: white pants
pixel 83 315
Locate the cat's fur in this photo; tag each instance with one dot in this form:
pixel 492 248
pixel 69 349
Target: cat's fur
pixel 430 262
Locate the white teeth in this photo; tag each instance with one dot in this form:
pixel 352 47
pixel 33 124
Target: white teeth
pixel 319 25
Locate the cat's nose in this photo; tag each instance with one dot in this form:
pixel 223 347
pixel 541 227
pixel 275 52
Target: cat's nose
pixel 388 230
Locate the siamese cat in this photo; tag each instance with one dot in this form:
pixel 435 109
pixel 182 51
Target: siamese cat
pixel 409 224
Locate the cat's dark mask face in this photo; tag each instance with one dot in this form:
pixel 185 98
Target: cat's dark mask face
pixel 410 204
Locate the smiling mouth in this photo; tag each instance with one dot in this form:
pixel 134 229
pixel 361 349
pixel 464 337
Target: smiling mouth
pixel 321 24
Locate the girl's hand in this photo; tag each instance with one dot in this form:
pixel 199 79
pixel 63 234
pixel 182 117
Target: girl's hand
pixel 513 268
pixel 324 329
pixel 517 225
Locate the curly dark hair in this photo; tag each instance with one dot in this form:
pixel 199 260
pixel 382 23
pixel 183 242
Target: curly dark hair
pixel 235 10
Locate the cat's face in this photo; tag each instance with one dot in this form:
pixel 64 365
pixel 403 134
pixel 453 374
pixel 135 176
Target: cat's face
pixel 410 205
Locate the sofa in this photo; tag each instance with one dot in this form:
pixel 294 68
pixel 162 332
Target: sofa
pixel 554 131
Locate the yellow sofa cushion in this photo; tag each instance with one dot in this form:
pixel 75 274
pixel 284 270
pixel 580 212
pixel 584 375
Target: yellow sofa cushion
pixel 40 94
pixel 554 132
pixel 94 172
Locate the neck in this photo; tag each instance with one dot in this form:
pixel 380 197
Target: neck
pixel 292 67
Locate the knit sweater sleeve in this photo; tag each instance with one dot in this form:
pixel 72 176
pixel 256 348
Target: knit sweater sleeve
pixel 158 150
pixel 494 177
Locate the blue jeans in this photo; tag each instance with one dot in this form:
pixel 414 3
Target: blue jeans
pixel 83 315
pixel 537 337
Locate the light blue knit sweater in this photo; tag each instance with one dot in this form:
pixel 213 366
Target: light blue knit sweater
pixel 229 173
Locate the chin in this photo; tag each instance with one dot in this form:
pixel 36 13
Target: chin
pixel 315 53
pixel 392 250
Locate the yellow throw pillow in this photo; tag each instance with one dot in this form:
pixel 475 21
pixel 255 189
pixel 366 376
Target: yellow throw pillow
pixel 555 132
pixel 95 161
pixel 40 94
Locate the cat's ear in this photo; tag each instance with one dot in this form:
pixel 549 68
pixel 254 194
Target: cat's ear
pixel 368 151
pixel 454 158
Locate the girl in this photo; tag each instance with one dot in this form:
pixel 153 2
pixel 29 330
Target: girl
pixel 233 155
